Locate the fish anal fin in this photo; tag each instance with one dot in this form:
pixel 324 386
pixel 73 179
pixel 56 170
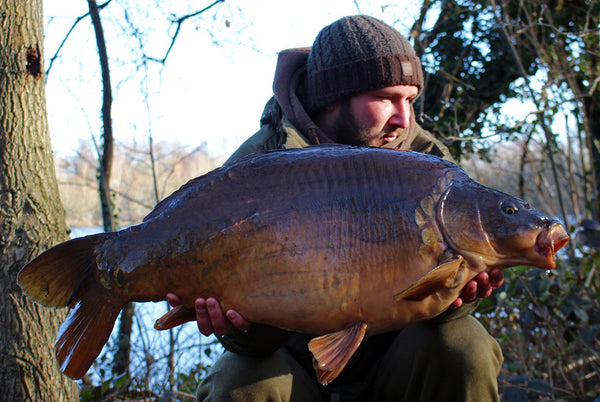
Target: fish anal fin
pixel 174 317
pixel 331 352
pixel 441 277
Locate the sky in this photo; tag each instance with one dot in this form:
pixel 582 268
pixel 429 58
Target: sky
pixel 216 80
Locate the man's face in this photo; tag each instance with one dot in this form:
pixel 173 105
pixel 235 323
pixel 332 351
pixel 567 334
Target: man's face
pixel 372 118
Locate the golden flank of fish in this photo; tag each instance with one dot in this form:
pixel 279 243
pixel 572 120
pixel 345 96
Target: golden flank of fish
pixel 336 241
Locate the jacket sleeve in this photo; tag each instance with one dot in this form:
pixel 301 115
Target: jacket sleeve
pixel 453 313
pixel 259 340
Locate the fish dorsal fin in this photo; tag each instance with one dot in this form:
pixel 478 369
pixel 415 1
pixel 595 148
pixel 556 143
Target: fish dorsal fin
pixel 332 351
pixel 441 277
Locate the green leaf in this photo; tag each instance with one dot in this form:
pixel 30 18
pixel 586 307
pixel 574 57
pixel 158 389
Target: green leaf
pixel 589 334
pixel 120 381
pixel 580 314
pixel 487 305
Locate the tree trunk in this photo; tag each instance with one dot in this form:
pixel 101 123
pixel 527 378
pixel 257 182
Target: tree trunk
pixel 106 156
pixel 31 215
pixel 122 356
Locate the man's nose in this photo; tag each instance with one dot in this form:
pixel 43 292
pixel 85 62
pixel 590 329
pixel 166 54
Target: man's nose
pixel 401 114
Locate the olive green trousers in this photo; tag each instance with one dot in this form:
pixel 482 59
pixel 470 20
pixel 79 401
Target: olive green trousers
pixel 451 361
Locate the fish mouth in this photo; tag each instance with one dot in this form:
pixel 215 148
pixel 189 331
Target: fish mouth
pixel 549 241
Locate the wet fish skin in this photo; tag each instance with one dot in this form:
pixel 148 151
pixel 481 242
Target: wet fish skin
pixel 336 241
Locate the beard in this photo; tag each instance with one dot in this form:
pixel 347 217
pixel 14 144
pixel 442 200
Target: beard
pixel 345 129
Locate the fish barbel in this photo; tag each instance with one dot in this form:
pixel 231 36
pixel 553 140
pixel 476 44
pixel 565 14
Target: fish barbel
pixel 336 241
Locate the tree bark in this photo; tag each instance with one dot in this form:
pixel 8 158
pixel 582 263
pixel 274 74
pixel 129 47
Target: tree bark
pixel 31 215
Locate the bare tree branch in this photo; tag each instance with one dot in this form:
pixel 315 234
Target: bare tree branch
pixel 179 22
pixel 62 43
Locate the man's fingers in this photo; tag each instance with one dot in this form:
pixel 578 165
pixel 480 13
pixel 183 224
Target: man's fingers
pixel 457 303
pixel 496 278
pixel 484 288
pixel 220 323
pixel 202 317
pixel 236 319
pixel 469 292
pixel 211 320
pixel 173 299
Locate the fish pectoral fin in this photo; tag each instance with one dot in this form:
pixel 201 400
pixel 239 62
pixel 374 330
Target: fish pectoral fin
pixel 174 317
pixel 440 277
pixel 332 351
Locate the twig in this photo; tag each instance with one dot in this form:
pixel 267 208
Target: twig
pixel 62 43
pixel 179 22
pixel 588 280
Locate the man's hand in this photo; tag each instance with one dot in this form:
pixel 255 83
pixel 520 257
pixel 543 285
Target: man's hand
pixel 480 287
pixel 210 317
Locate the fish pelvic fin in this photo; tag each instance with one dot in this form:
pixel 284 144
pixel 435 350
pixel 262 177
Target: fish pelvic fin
pixel 443 276
pixel 174 317
pixel 65 276
pixel 331 352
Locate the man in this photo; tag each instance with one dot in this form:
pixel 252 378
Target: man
pixel 355 86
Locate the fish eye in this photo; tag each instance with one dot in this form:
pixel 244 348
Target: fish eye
pixel 509 208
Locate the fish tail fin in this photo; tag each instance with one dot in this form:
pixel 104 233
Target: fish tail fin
pixel 85 331
pixel 59 274
pixel 65 276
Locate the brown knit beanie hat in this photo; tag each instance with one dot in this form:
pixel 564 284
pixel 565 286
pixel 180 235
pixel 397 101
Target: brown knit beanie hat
pixel 356 54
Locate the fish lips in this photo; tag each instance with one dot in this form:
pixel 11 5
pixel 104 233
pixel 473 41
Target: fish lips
pixel 549 241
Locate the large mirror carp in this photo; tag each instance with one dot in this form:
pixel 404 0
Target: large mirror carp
pixel 336 241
